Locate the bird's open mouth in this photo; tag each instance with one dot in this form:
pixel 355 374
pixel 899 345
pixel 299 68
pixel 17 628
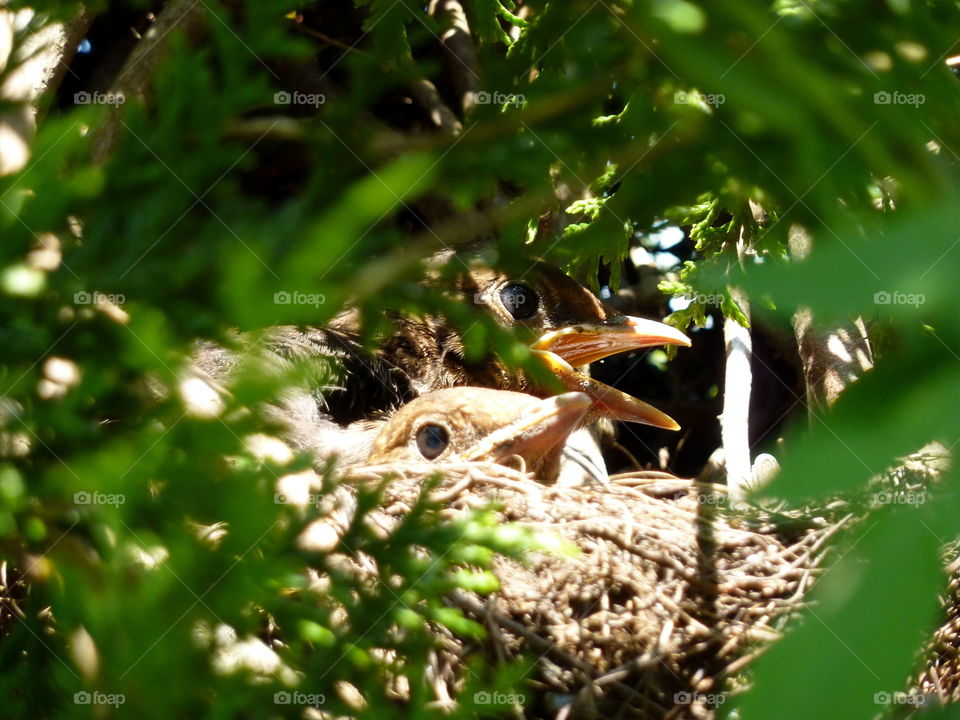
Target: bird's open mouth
pixel 568 348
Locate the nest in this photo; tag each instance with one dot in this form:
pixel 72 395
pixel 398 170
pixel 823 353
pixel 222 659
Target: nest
pixel 669 596
pixel 940 676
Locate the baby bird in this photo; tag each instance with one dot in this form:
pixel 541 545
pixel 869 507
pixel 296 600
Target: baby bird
pixel 565 326
pixel 481 424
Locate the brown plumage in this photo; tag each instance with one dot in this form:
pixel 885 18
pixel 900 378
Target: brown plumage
pixel 566 325
pixel 546 307
pixel 480 424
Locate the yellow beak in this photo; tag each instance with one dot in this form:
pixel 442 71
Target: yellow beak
pixel 571 347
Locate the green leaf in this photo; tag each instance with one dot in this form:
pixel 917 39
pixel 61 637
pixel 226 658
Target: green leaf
pixel 856 644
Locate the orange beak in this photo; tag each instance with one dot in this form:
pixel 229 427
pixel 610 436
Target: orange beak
pixel 571 347
pixel 538 435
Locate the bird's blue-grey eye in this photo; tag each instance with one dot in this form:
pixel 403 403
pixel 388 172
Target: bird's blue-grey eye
pixel 432 440
pixel 520 301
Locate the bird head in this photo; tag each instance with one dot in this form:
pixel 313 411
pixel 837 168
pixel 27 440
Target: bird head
pixel 568 327
pixel 481 424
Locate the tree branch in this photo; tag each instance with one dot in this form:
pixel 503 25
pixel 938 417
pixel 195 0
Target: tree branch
pixel 735 420
pixel 40 60
pixel 462 55
pixel 133 81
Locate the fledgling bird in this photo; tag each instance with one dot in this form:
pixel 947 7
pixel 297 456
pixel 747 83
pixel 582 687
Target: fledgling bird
pixel 480 424
pixel 566 327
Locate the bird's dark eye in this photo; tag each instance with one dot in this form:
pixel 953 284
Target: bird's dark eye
pixel 432 440
pixel 520 301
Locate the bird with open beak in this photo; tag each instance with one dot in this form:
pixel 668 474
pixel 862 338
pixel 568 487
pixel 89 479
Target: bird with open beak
pixel 479 424
pixel 566 327
pixel 569 327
